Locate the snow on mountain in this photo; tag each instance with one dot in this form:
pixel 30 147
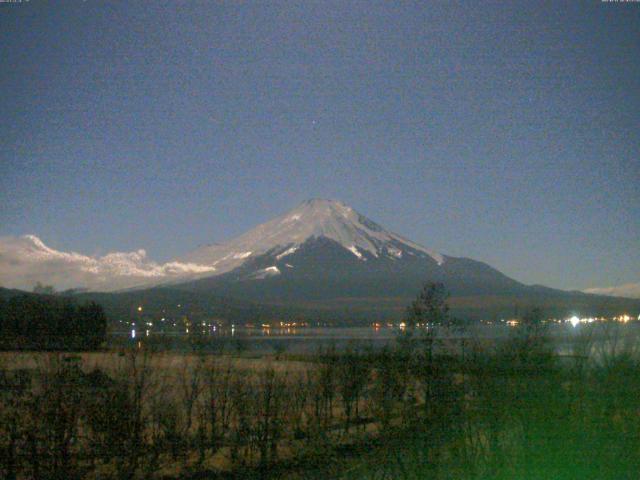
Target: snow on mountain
pixel 311 219
pixel 266 272
pixel 26 260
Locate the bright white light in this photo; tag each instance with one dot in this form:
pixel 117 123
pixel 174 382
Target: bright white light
pixel 574 321
pixel 133 333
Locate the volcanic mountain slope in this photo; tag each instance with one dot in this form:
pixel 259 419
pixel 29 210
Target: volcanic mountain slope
pixel 328 243
pixel 312 219
pixel 325 255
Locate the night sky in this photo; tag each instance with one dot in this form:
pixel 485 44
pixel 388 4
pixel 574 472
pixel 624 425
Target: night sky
pixel 507 132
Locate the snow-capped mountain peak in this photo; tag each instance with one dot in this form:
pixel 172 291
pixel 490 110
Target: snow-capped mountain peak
pixel 316 218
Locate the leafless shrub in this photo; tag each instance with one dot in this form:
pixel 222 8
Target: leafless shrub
pixel 352 374
pixel 216 407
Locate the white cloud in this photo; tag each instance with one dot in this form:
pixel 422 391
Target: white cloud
pixel 630 290
pixel 26 260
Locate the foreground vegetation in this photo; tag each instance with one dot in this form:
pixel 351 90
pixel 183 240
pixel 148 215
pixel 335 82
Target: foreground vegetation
pixel 507 410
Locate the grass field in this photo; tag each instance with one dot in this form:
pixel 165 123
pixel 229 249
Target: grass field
pixel 512 409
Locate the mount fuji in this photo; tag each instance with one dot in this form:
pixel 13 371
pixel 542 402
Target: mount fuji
pixel 328 244
pixel 321 258
pixel 312 220
pixel 325 256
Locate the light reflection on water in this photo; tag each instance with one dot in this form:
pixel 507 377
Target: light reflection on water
pixel 567 338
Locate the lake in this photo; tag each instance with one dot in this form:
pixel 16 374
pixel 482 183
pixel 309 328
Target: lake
pixel 308 340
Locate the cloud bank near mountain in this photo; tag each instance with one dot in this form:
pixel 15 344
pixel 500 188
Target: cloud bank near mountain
pixel 26 260
pixel 629 290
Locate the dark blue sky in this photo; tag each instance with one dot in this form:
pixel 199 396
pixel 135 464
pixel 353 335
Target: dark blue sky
pixel 504 131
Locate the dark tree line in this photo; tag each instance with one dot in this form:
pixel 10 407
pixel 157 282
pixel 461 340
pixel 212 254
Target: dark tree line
pixel 50 323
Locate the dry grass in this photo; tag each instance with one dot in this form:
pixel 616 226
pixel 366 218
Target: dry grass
pixel 165 361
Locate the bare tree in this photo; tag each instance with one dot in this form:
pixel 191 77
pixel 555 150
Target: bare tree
pixel 137 376
pixel 352 378
pixel 216 406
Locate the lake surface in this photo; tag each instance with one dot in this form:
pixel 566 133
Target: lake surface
pixel 567 338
